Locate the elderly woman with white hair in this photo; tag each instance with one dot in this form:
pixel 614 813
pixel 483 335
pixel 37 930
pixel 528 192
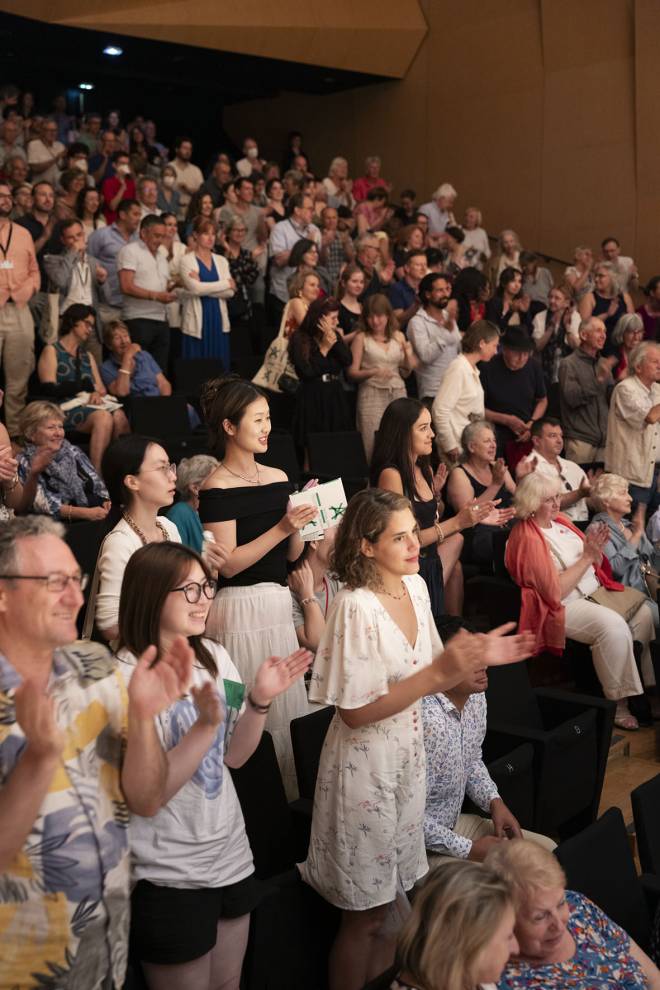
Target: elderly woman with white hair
pixel 439 210
pixel 606 300
pixel 633 434
pixel 476 249
pixel 559 571
pixel 338 185
pixel 508 255
pixel 563 939
pixel 628 332
pixel 191 473
pixel 371 179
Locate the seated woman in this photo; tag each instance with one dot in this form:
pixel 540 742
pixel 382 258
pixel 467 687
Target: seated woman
pixel 459 935
pixel 130 371
pixel 313 589
pixel 57 478
pixel 65 369
pixel 481 476
pixel 558 569
pixel 579 275
pixel 606 300
pixel 564 940
pixel 628 333
pixel 191 473
pixel 192 859
pixel 409 238
pixel 401 464
pixel 628 548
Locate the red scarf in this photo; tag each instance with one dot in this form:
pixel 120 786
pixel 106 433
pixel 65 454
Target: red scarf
pixel 530 564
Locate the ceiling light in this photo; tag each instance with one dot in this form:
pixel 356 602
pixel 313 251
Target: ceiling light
pixel 113 50
pixel 86 85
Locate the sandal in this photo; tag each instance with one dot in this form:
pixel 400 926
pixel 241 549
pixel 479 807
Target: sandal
pixel 627 722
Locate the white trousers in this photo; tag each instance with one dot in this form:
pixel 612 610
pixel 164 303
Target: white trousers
pixel 474 827
pixel 611 642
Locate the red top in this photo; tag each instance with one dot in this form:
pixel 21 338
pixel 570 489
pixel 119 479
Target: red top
pixel 364 185
pixel 109 190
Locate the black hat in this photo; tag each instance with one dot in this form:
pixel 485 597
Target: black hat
pixel 517 339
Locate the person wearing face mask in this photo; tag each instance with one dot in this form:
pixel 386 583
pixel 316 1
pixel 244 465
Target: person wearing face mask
pixel 78 157
pixel 168 200
pixel 434 335
pixel 119 186
pixel 564 940
pixel 250 162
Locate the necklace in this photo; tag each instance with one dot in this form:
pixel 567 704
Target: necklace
pixel 136 529
pixel 397 598
pixel 250 481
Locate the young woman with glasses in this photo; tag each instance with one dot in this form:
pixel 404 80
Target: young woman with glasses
pixel 192 864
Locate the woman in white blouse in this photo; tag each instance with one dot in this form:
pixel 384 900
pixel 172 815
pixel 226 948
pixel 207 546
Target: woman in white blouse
pixel 460 397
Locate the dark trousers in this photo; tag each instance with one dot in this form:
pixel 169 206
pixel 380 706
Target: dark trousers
pixel 152 336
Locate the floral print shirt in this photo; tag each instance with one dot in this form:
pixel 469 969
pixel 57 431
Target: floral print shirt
pixel 454 768
pixel 602 959
pixel 64 903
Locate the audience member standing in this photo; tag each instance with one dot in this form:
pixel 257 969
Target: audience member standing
pixel 514 392
pixel 144 277
pixel 584 383
pixel 284 235
pixel 650 310
pixel 46 154
pixel 547 445
pixel 188 176
pixel 606 301
pixel 105 244
pixel 434 335
pixel 208 283
pixel 78 276
pixel 19 280
pixel 439 210
pixel 40 222
pixel 119 186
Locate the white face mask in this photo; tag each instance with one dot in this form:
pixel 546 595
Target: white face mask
pixel 168 181
pixel 80 164
pixel 123 169
pixel 252 152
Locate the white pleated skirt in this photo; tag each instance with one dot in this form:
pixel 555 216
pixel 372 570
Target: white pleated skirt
pixel 254 623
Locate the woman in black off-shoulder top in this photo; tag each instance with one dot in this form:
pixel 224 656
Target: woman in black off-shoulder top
pixel 245 505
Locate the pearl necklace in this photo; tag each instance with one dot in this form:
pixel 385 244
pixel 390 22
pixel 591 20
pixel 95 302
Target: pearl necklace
pixel 136 529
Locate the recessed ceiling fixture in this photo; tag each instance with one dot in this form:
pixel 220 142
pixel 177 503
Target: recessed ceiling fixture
pixel 114 50
pixel 86 85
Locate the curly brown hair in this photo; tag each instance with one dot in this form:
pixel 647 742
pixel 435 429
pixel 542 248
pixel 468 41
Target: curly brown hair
pixel 366 517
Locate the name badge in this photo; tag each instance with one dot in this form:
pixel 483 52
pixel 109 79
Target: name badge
pixel 6 264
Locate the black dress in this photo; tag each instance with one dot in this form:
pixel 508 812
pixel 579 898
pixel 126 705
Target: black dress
pixel 321 403
pixel 430 565
pixel 478 545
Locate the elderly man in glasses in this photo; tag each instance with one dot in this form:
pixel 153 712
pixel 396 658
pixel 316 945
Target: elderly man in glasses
pixel 77 753
pixel 547 443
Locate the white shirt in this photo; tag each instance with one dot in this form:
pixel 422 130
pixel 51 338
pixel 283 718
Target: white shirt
pixel 192 178
pixel 80 289
pixel 571 476
pixel 566 548
pixel 438 219
pixel 197 840
pixel 152 272
pixel 459 397
pixel 632 443
pixel 39 152
pixel 283 236
pixel 474 246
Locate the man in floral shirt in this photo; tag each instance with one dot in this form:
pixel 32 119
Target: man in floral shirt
pixel 77 753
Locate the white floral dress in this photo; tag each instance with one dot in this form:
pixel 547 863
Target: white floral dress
pixel 367 828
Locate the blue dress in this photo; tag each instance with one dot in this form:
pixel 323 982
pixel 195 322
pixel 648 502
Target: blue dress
pixel 213 343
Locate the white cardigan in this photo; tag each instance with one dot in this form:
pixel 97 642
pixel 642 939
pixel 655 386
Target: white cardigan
pixel 191 303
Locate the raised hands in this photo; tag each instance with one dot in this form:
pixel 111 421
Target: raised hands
pixel 208 704
pixel 277 674
pixel 155 685
pixel 469 652
pixel 475 512
pixel 35 713
pixel 301 581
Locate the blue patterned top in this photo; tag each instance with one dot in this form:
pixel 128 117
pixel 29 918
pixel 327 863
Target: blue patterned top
pixel 602 960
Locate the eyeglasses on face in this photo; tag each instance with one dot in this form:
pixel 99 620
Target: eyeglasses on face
pixel 193 591
pixel 166 469
pixel 56 582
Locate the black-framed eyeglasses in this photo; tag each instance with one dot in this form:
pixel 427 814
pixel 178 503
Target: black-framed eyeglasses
pixel 193 591
pixel 567 485
pixel 54 582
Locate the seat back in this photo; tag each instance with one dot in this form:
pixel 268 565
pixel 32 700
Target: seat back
pixel 339 455
pixel 307 737
pixel 268 819
pixel 513 774
pixel 160 416
pixel 84 540
pixel 598 862
pixel 646 810
pixel 511 697
pixel 281 454
pixel 191 373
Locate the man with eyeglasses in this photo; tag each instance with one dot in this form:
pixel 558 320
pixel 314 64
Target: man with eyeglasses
pixel 46 154
pixel 77 754
pixel 548 441
pixel 19 280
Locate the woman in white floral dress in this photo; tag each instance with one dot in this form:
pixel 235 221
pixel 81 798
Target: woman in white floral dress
pixel 379 655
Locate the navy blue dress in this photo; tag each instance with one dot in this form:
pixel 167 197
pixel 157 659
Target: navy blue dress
pixel 213 343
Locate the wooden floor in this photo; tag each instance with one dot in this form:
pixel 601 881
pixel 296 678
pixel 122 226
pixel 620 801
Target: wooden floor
pixel 634 758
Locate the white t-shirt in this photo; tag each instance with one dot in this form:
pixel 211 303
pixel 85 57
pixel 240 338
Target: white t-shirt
pixel 38 152
pixel 198 839
pixel 152 272
pixel 571 476
pixel 80 289
pixel 566 548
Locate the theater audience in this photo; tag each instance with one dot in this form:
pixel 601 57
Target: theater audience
pixel 88 211
pixel 305 255
pixel 454 723
pixel 46 154
pixel 129 371
pixel 628 332
pixel 484 479
pixel 245 505
pixel 376 274
pixel 313 589
pixel 537 281
pixel 70 696
pixel 349 290
pixel 563 938
pixel 434 335
pixel 471 290
pixel 77 275
pixel 650 310
pixel 476 248
pixel 461 395
pixel 508 255
pixel 508 307
pixel 57 478
pixel 169 200
pixel 606 300
pixel 140 481
pixel 625 268
pixel 119 185
pixel 381 355
pixel 579 276
pixel 459 934
pixel 632 427
pixel 283 236
pixel 383 614
pixel 188 176
pixel 559 570
pixel 547 444
pixel 439 211
pixel 208 284
pixel 373 214
pixel 403 293
pixel 338 185
pixel 514 393
pixel 555 331
pixel 371 180
pixel 165 597
pixel 336 245
pixel 106 243
pixel 584 384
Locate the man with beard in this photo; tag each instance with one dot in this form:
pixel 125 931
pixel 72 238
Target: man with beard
pixel 19 280
pixel 188 177
pixel 434 334
pixel 40 223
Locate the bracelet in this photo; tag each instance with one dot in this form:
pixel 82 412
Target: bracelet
pixel 309 601
pixel 438 532
pixel 123 371
pixel 9 486
pixel 260 709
